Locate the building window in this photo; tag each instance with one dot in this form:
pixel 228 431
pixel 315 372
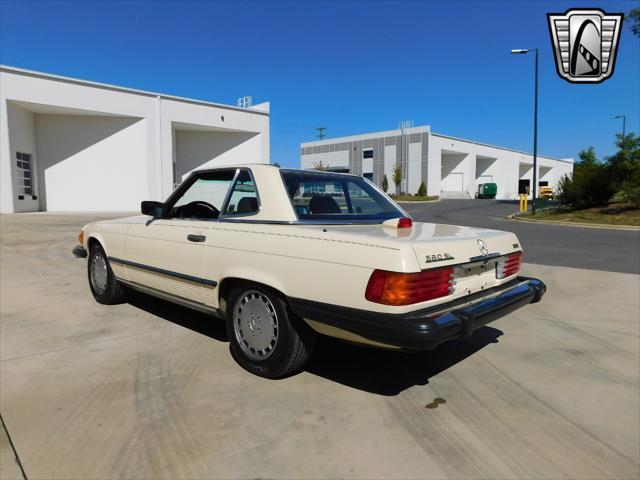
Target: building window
pixel 25 173
pixel 368 153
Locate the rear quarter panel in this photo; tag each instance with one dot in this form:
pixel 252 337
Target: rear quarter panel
pixel 299 264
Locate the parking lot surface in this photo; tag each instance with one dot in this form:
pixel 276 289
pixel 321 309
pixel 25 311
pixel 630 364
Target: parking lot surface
pixel 544 244
pixel 148 389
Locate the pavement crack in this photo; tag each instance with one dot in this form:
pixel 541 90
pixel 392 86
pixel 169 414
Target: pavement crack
pixel 13 447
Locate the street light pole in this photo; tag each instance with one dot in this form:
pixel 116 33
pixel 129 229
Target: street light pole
pixel 535 141
pixel 624 124
pixel 535 127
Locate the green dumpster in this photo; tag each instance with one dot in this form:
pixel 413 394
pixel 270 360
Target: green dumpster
pixel 541 203
pixel 487 190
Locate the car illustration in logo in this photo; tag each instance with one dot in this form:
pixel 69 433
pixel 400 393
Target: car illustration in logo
pixel 585 42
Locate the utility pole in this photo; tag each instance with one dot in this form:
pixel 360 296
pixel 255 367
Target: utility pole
pixel 321 134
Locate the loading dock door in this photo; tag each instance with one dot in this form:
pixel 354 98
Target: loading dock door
pixel 453 183
pixel 485 179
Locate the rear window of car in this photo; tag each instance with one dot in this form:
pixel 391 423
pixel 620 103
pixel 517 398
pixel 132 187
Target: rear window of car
pixel 332 197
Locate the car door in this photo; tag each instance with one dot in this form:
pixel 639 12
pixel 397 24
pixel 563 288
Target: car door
pixel 167 254
pixel 242 203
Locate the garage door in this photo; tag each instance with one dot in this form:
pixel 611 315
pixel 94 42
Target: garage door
pixel 485 179
pixel 452 183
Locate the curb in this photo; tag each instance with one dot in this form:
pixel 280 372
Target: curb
pixel 409 202
pixel 604 226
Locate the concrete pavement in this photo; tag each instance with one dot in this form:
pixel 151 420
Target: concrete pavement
pixel 149 390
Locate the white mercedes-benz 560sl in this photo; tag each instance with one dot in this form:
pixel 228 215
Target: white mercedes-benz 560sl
pixel 283 255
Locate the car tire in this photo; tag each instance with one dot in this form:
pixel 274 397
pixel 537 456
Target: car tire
pixel 265 337
pixel 104 285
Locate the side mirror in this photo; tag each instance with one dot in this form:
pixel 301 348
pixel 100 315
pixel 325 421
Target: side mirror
pixel 155 209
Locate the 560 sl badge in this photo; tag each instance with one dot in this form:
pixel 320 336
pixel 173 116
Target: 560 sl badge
pixel 440 257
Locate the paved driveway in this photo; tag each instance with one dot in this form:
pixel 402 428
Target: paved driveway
pixel 148 390
pixel 594 248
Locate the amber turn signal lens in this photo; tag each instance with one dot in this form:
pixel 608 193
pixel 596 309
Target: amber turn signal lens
pixel 81 237
pixel 393 288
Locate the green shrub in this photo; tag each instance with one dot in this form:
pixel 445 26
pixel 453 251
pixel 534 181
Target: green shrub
pixel 422 191
pixel 631 186
pixel 385 184
pixel 590 186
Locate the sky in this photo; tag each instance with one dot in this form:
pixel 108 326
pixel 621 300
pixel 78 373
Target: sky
pixel 353 67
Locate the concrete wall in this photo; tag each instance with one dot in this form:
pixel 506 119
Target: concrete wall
pixel 203 149
pixel 503 164
pixel 436 159
pixel 91 140
pixel 91 163
pixel 22 138
pixel 347 152
pixel 389 165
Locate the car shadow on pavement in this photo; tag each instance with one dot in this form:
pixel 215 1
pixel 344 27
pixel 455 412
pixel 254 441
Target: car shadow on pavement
pixel 387 372
pixel 185 317
pixel 383 372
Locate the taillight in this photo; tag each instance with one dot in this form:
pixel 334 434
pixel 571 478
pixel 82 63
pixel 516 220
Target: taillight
pixel 509 265
pixel 405 222
pixel 393 288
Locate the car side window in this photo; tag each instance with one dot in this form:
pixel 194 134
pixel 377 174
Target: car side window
pixel 244 197
pixel 204 197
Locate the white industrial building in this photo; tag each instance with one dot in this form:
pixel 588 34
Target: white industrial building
pixel 448 166
pixel 73 145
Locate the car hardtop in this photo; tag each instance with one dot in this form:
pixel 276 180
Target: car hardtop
pixel 277 204
pixel 252 166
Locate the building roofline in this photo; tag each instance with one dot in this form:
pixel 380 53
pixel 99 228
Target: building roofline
pixel 567 160
pixel 116 88
pixel 366 136
pixel 419 129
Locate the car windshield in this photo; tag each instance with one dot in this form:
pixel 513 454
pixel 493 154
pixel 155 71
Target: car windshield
pixel 320 196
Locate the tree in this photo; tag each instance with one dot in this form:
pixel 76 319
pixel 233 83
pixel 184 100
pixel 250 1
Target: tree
pixel 625 167
pixel 385 183
pixel 588 156
pixel 320 165
pixel 634 18
pixel 397 177
pixel 623 163
pixel 422 190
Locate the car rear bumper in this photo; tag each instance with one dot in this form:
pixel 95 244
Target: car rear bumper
pixel 427 328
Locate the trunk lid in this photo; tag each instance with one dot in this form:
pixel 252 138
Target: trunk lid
pixel 474 251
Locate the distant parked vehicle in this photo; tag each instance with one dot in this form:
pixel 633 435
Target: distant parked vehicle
pixel 487 190
pixel 546 192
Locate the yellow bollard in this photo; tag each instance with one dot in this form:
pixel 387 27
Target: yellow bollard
pixel 524 199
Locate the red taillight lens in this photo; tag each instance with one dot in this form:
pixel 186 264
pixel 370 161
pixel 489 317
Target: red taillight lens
pixel 392 288
pixel 405 222
pixel 509 265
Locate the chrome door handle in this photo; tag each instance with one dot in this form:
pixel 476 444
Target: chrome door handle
pixel 196 238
